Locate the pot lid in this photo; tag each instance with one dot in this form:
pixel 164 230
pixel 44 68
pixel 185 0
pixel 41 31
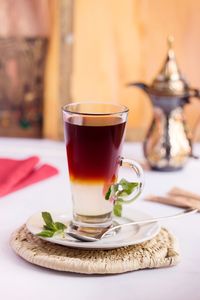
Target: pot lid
pixel 169 81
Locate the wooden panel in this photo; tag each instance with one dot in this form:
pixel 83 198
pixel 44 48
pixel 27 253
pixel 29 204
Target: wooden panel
pixel 51 93
pixel 24 18
pixel 24 34
pixel 58 67
pixel 121 41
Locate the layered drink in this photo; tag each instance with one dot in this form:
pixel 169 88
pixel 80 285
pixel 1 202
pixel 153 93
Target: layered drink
pixel 93 146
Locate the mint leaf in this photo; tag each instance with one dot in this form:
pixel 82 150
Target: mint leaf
pixel 45 227
pixel 50 227
pixel 107 196
pixel 46 233
pixel 47 219
pixel 118 191
pixel 127 187
pixel 60 226
pixel 115 188
pixel 117 209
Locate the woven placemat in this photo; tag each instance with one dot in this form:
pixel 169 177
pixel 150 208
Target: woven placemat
pixel 161 251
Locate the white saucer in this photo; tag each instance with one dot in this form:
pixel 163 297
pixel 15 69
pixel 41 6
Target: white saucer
pixel 127 236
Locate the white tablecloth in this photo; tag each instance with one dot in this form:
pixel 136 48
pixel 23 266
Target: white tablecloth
pixel 21 280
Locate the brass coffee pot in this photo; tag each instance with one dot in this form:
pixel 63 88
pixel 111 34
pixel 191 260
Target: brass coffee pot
pixel 168 144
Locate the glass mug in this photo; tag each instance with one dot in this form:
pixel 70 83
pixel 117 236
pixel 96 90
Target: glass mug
pixel 94 134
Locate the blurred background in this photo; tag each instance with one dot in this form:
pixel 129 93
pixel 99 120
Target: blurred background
pixel 57 51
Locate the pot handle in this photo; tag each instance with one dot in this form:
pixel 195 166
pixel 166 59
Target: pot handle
pixel 194 93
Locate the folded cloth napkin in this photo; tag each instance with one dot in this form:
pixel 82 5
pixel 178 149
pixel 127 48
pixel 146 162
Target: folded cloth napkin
pixel 177 197
pixel 17 174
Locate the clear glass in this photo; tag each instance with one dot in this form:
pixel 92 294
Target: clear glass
pixel 94 135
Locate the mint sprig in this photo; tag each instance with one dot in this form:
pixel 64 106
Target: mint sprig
pixel 118 191
pixel 50 227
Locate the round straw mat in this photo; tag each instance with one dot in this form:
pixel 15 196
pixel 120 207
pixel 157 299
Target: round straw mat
pixel 161 251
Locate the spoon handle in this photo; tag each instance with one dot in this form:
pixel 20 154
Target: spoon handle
pixel 181 214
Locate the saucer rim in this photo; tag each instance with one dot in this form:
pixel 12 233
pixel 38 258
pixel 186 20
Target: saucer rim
pixel 95 245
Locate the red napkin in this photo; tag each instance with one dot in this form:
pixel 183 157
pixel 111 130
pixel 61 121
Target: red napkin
pixel 17 174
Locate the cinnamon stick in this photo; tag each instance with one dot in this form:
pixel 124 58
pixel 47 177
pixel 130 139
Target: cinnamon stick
pixel 175 191
pixel 179 201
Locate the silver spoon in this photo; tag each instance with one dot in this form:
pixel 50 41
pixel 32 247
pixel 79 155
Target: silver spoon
pixel 88 238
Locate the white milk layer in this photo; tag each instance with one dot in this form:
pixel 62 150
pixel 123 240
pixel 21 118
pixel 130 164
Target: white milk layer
pixel 88 200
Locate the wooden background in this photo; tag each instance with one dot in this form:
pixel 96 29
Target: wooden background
pixel 115 42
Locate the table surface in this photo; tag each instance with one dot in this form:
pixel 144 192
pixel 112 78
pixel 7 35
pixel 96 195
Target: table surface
pixel 21 280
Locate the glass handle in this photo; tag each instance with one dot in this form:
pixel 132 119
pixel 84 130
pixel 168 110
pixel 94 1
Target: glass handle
pixel 124 162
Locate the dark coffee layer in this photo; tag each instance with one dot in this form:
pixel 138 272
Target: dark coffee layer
pixel 94 147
